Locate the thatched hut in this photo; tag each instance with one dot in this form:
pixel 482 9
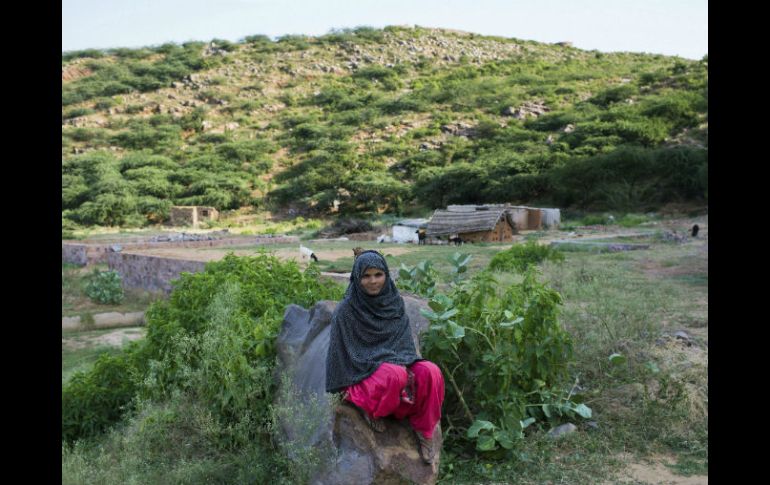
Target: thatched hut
pixel 482 224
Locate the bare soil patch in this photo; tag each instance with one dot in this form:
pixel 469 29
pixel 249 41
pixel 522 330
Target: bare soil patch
pixel 114 338
pixel 282 253
pixel 655 472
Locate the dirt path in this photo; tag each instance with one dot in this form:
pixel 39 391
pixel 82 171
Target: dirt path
pixel 283 253
pixel 114 338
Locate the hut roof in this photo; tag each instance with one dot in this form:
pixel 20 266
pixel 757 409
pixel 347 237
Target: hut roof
pixel 456 222
pixel 412 222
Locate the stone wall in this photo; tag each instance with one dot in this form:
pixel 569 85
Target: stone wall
pixel 74 253
pixel 92 253
pixel 151 273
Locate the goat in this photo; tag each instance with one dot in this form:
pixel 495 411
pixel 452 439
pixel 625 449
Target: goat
pixel 695 230
pixel 420 236
pixel 307 253
pixel 457 240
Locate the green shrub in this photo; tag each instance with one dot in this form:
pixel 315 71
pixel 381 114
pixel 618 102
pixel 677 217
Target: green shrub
pixel 93 135
pixel 224 45
pixel 257 39
pixel 614 94
pixel 68 227
pixel 390 78
pixel 504 355
pixel 94 400
pixel 521 256
pixel 106 209
pixel 154 209
pixel 77 112
pixel 293 42
pixel 419 279
pixel 133 109
pixel 247 151
pixel 133 72
pixel 142 137
pixel 92 53
pixel 219 328
pixel 128 53
pixel 105 287
pixel 213 339
pixel 104 103
pixel 179 442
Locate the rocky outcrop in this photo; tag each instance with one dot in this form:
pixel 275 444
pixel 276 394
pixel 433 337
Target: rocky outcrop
pixel 331 438
pixel 528 109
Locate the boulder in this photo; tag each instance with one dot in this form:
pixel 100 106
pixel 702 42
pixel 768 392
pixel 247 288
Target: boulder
pixel 329 438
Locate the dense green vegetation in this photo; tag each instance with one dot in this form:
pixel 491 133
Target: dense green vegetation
pixel 230 313
pixel 610 130
pixel 191 402
pixel 121 71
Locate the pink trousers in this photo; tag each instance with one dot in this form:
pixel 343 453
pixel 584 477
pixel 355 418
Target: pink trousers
pixel 380 394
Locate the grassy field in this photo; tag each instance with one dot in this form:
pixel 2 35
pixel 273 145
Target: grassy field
pixel 651 411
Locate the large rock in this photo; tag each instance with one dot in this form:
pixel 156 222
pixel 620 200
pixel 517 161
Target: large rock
pixel 330 439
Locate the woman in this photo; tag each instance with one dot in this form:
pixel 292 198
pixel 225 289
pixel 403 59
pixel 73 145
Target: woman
pixel 372 358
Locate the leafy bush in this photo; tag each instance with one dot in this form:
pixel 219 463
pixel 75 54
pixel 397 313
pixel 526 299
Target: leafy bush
pixel 504 355
pixel 133 72
pixel 105 287
pixel 213 339
pixel 94 400
pixel 419 279
pixel 614 94
pixel 154 209
pixel 293 42
pixel 68 227
pixel 106 210
pixel 76 112
pixel 631 179
pixel 92 53
pixel 375 191
pixel 521 256
pixel 142 136
pixel 104 103
pixel 358 34
pixel 133 109
pixel 249 151
pixel 93 135
pixel 390 78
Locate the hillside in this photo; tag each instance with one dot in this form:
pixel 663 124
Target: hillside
pixel 366 120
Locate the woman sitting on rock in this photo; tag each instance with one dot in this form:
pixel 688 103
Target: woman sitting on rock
pixel 372 358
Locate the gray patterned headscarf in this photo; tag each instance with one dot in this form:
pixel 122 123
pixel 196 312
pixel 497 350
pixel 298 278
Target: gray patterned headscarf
pixel 367 330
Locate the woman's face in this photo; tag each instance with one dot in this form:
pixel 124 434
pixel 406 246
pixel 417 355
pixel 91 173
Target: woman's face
pixel 372 281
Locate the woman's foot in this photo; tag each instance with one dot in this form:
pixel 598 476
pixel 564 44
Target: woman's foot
pixel 425 447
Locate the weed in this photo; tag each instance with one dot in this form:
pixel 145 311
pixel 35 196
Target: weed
pixel 105 287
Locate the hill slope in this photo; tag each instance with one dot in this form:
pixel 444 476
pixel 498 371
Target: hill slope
pixel 377 120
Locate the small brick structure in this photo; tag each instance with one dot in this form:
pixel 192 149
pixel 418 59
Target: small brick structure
pixel 192 215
